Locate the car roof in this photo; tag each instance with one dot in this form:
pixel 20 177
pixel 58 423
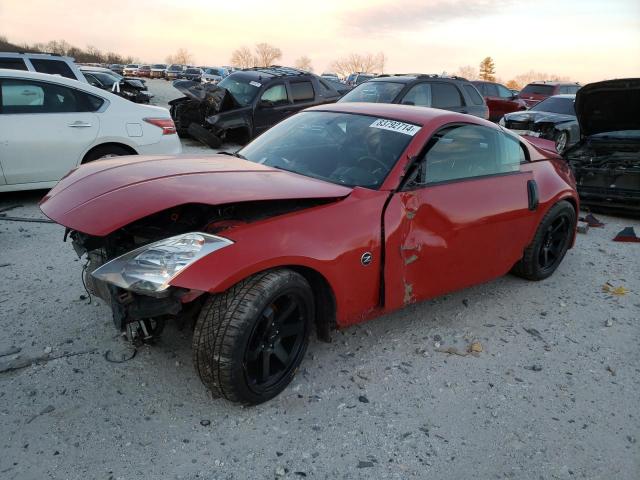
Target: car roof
pixel 412 77
pixel 552 83
pixel 267 73
pixel 403 113
pixel 572 96
pixel 46 77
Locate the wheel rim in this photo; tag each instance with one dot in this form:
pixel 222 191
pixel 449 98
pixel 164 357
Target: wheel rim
pixel 276 342
pixel 554 243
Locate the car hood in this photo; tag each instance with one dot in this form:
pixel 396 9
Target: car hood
pixel 608 106
pixel 538 117
pixel 105 195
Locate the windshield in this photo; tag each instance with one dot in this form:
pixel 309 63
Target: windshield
pixel 538 89
pixel 106 79
pixel 193 70
pixel 374 92
pixel 562 105
pixel 243 91
pixel 159 65
pixel 132 66
pixel 213 71
pixel 342 148
pixel 175 67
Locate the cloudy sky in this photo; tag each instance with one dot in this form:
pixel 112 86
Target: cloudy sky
pixel 583 39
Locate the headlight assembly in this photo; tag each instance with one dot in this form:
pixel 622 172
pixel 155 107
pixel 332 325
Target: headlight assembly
pixel 150 268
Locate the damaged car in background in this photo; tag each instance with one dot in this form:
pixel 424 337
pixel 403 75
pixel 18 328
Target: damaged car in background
pixel 606 160
pixel 553 119
pixel 245 103
pixel 126 87
pixel 336 215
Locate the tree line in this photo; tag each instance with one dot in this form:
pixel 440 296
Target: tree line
pixel 264 55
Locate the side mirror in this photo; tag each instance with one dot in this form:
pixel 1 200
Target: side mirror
pixel 265 103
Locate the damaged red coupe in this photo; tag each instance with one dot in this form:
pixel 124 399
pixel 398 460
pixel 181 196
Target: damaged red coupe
pixel 336 215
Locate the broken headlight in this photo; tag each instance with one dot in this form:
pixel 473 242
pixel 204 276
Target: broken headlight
pixel 150 268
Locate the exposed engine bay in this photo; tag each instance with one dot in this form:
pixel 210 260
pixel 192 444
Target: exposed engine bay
pixel 148 313
pixel 607 173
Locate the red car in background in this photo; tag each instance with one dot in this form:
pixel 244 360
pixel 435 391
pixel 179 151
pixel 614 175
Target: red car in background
pixel 499 98
pixel 144 71
pixel 336 215
pixel 535 92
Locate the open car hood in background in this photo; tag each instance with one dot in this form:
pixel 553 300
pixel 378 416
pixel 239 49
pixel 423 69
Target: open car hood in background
pixel 609 106
pixel 105 195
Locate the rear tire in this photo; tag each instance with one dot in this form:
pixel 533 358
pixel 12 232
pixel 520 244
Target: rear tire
pixel 106 151
pixel 249 341
pixel 550 243
pixel 203 135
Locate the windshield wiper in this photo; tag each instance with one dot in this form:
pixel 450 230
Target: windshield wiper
pixel 233 154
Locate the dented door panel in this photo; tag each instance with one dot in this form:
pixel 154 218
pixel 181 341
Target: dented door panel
pixel 446 237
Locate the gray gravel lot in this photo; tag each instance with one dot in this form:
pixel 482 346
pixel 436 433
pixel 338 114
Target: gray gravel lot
pixel 554 393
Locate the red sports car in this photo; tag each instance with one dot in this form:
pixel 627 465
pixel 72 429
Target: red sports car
pixel 336 215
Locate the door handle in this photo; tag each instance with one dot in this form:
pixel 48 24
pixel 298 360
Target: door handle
pixel 532 192
pixel 79 124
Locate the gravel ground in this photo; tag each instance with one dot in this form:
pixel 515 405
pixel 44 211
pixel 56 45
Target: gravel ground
pixel 553 394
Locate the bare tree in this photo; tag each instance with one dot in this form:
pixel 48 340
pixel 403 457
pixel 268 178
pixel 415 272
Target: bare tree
pixel 181 57
pixel 488 69
pixel 356 62
pixel 304 63
pixel 242 58
pixel 266 54
pixel 468 72
pixel 533 76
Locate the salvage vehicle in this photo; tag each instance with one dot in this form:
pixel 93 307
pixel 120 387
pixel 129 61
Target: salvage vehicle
pixel 125 87
pixel 43 63
pixel 336 215
pixel 535 92
pixel 552 119
pixel 245 103
pixel 174 71
pixel 51 124
pixel 499 98
pixel 213 74
pixel 117 68
pixel 193 74
pixel 131 70
pixel 606 160
pixel 358 78
pixel 144 71
pixel 449 93
pixel 158 70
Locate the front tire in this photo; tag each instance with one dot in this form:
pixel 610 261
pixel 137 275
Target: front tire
pixel 249 341
pixel 550 243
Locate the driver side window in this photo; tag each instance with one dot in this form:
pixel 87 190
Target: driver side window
pixel 277 95
pixel 467 151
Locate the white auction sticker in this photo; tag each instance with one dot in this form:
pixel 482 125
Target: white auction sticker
pixel 395 126
pixel 255 84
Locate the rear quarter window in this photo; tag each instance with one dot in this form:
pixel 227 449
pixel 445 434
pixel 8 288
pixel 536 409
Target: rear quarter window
pixel 13 64
pixel 302 91
pixel 473 94
pixel 445 95
pixel 53 67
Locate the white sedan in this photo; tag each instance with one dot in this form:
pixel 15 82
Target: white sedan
pixel 51 124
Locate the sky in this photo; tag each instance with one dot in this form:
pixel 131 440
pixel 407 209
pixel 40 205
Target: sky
pixel 585 40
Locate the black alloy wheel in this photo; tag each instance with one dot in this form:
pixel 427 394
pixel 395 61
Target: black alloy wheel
pixel 276 342
pixel 249 340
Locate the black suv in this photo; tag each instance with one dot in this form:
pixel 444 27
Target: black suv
pixel 448 93
pixel 246 103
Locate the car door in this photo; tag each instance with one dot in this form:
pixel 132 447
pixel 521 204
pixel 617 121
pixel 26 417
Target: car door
pixel 508 103
pixel 494 102
pixel 45 128
pixel 272 106
pixel 464 218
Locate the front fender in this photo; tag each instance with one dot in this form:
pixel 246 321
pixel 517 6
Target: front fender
pixel 330 239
